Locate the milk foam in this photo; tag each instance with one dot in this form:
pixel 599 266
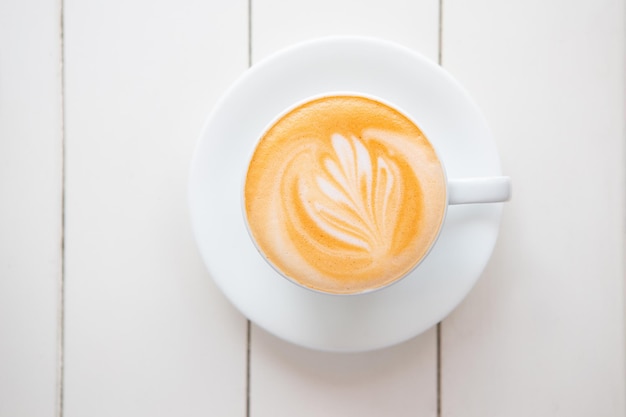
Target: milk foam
pixel 344 194
pixel 350 202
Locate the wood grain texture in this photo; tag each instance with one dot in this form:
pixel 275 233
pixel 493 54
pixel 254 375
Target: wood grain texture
pixel 31 205
pixel 542 332
pixel 147 332
pixel 286 380
pixel 277 24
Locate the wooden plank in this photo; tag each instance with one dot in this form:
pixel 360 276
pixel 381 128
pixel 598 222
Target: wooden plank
pixel 30 212
pixel 147 331
pixel 542 332
pixel 277 24
pixel 288 380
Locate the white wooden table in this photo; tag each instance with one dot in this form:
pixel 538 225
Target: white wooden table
pixel 106 308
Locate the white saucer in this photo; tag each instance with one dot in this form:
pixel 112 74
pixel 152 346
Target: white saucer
pixel 449 119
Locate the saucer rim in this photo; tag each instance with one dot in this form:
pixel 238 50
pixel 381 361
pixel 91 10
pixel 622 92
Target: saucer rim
pixel 252 313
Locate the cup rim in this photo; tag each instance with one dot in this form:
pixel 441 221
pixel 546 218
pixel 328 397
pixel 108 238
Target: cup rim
pixel 286 111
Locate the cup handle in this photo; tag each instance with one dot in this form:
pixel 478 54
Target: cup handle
pixel 479 190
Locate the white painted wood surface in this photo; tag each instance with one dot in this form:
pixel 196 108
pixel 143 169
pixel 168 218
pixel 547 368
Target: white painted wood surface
pixel 30 205
pixel 277 24
pixel 542 334
pixel 146 331
pixel 401 381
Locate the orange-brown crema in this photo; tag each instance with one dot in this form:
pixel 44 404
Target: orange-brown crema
pixel 344 194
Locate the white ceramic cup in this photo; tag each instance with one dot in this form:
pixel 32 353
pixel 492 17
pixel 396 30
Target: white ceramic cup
pixel 271 234
pixel 450 119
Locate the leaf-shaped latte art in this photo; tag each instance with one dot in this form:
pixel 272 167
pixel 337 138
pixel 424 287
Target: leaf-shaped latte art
pixel 356 196
pixel 344 194
pixel 352 205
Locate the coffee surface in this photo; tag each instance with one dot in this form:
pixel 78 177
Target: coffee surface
pixel 344 194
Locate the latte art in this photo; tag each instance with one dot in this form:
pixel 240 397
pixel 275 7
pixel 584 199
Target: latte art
pixel 346 203
pixel 344 194
pixel 354 198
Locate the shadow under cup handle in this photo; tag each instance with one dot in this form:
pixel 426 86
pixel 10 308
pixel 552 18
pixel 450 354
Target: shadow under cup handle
pixel 479 190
